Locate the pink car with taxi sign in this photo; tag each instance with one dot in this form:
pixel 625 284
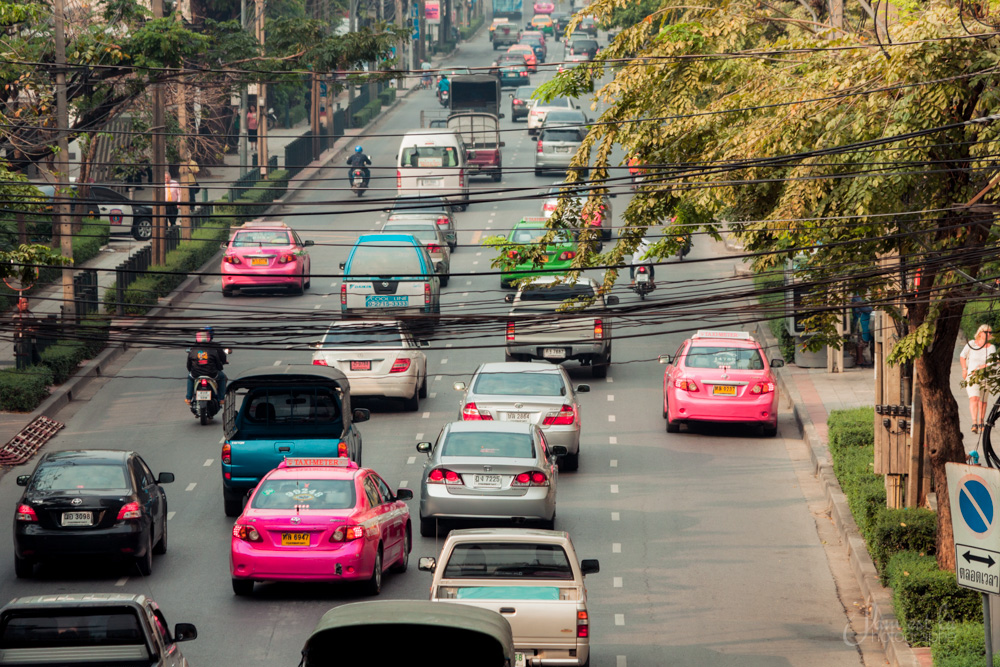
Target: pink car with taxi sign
pixel 720 376
pixel 265 255
pixel 321 519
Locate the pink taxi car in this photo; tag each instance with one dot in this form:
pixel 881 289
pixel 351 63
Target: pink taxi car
pixel 265 255
pixel 544 7
pixel 720 376
pixel 321 519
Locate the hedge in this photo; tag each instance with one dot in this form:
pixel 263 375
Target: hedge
pixel 468 31
pixel 898 530
pixel 22 391
pixel 924 596
pixel 63 358
pixel 387 96
pixel 366 113
pixel 960 645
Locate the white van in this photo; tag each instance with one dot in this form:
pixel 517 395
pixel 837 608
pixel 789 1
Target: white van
pixel 434 162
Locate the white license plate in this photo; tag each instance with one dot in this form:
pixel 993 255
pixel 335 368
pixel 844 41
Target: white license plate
pixel 203 395
pixel 563 149
pixel 642 277
pixel 515 416
pixel 386 301
pixel 554 353
pixel 431 182
pixel 486 481
pixel 519 660
pixel 77 518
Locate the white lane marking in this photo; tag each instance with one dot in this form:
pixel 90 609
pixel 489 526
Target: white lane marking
pixel 612 440
pixel 617 582
pixel 611 418
pixel 619 619
pixel 447 344
pixel 190 487
pixel 461 305
pixel 468 282
pixel 620 661
pixel 327 296
pixel 444 361
pixel 609 379
pixel 404 482
pixel 420 436
pixel 277 363
pixel 170 515
pixel 333 284
pixel 426 415
pixel 437 378
pixel 316 307
pixel 463 294
pixel 614 488
pixel 207 463
pixel 615 516
pixel 616 547
pixel 614 463
pixel 222 439
pixel 411 460
pixel 478 254
pixel 122 581
pixel 433 394
pixel 611 397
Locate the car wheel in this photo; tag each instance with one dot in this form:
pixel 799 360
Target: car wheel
pixel 423 387
pixel 444 280
pixel 308 284
pixel 673 427
pixel 142 229
pixel 232 502
pixel 539 172
pixel 243 587
pixel 404 560
pixel 497 176
pixel 374 585
pixel 428 527
pixel 769 431
pixel 23 568
pixel 144 563
pixel 510 357
pixel 570 462
pixel 297 291
pixel 412 404
pixel 226 293
pixel 599 367
pixel 160 547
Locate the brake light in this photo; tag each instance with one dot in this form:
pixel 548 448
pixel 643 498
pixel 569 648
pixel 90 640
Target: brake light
pixel 231 259
pixel 427 294
pixel 320 362
pixel 685 385
pixel 569 254
pixel 525 73
pixel 535 478
pixel 342 450
pixel 26 513
pixel 539 146
pixel 510 330
pixel 442 220
pixel 399 179
pixel 565 417
pixel 129 511
pixel 246 533
pixel 550 206
pixel 343 294
pixel 582 623
pixel 400 365
pixel 461 178
pixel 204 382
pixel 444 476
pixel 471 413
pixel 286 258
pixel 642 269
pixel 598 329
pixel 433 248
pixel 518 103
pixel 227 454
pixel 762 388
pixel 348 533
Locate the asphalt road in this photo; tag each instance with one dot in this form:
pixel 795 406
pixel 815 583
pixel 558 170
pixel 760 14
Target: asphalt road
pixel 709 554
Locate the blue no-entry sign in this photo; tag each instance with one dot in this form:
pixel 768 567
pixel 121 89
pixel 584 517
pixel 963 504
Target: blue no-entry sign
pixel 973 492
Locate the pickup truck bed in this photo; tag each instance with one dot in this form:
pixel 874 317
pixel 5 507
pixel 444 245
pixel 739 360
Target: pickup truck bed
pixel 72 656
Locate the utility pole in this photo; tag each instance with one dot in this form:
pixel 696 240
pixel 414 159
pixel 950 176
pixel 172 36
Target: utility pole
pixel 244 102
pixel 261 99
pixel 186 175
pixel 837 15
pixel 352 26
pixel 159 248
pixel 62 159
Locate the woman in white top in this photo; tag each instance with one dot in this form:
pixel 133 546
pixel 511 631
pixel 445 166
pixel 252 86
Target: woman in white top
pixel 973 357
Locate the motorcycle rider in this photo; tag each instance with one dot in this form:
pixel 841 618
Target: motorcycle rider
pixel 642 256
pixel 206 358
pixel 443 85
pixel 359 161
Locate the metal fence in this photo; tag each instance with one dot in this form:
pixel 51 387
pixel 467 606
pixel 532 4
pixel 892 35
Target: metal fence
pixel 128 272
pixel 85 297
pixel 248 180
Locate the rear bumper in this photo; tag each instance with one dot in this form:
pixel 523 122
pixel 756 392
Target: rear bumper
pixel 349 563
pixel 34 542
pixel 538 503
pixel 683 407
pixel 263 281
pixel 395 386
pixel 553 160
pixel 573 350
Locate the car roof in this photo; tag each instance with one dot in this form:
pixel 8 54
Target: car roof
pixel 518 367
pixel 85 456
pixel 507 534
pixel 490 426
pixel 402 239
pixel 69 600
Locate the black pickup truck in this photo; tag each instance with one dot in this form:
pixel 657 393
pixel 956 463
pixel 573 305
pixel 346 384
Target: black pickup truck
pixel 88 629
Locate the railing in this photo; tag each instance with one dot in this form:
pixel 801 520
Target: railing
pixel 172 238
pixel 244 183
pixel 298 154
pixel 128 272
pixel 85 293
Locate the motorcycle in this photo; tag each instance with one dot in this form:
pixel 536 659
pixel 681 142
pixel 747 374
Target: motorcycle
pixel 685 246
pixel 358 181
pixel 206 399
pixel 443 97
pixel 272 118
pixel 643 282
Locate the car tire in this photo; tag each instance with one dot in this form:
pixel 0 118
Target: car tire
pixel 297 291
pixel 509 358
pixel 412 404
pixel 23 568
pixel 504 284
pixel 144 563
pixel 308 284
pixel 452 246
pixel 769 431
pixel 539 172
pixel 404 560
pixel 428 527
pixel 673 427
pixel 497 175
pixel 570 462
pixel 242 587
pixel 142 229
pixel 444 280
pixel 160 547
pixel 374 585
pixel 227 293
pixel 599 367
pixel 232 502
pixel 548 524
pixel 423 386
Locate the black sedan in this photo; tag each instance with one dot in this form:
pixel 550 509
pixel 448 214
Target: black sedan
pixel 90 502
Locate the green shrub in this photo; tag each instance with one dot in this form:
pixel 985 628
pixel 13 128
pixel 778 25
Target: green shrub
pixel 93 334
pixel 851 428
pixel 960 645
pixel 278 180
pixel 23 391
pixel 387 96
pixel 853 453
pixel 63 358
pixel 88 241
pixel 904 529
pixel 468 31
pixel 297 114
pixel 924 596
pixel 361 118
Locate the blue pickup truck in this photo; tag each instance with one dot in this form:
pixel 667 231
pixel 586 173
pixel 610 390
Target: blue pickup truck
pixel 278 411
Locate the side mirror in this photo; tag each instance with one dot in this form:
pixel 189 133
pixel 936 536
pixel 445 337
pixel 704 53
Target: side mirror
pixel 612 300
pixel 308 244
pixel 459 386
pixel 341 266
pixel 22 480
pixel 426 564
pixel 361 415
pixel 424 343
pixel 777 363
pixel 424 447
pixel 404 494
pixel 583 388
pixel 315 345
pixel 227 350
pixel 509 298
pixel 558 450
pixel 669 359
pixel 185 632
pixel 590 566
pixel 165 478
pixel 503 143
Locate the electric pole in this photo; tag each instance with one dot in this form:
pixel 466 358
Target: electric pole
pixel 186 175
pixel 159 248
pixel 244 102
pixel 62 160
pixel 261 99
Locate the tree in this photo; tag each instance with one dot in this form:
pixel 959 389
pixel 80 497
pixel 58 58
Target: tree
pixel 832 148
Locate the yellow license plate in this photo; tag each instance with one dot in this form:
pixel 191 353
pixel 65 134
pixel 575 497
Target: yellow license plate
pixel 724 390
pixel 295 539
pixel 258 261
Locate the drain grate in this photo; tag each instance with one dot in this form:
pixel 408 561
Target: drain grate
pixel 24 445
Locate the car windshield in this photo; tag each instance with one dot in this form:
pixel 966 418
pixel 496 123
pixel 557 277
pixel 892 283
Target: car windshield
pixel 743 359
pixel 261 237
pixel 524 93
pixel 422 232
pixel 352 337
pixel 77 476
pixel 306 494
pixel 489 444
pixel 571 135
pixel 559 102
pixel 532 235
pixel 508 561
pixel 388 258
pixel 519 384
pixel 418 205
pixel 430 156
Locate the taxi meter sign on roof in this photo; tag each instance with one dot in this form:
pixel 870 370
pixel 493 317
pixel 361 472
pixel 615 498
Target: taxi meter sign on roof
pixel 974 492
pixel 736 335
pixel 319 462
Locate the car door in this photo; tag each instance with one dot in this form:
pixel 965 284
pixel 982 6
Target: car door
pixel 393 516
pixel 549 463
pixel 306 259
pixel 170 656
pixel 151 496
pixel 377 516
pixel 112 206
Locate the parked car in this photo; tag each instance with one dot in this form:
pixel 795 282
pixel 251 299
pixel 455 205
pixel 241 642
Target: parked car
pixel 521 102
pixel 428 233
pixel 86 502
pixel 430 207
pixel 557 257
pixel 265 255
pixel 125 217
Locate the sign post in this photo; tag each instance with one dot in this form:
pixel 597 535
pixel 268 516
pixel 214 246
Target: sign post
pixel 974 492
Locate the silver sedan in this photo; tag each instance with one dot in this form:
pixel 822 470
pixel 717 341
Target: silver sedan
pixel 488 471
pixel 539 394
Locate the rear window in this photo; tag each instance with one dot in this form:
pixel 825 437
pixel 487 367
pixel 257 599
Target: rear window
pixel 419 205
pixel 351 337
pixel 80 476
pixel 558 293
pixel 308 494
pixel 389 258
pixel 422 232
pixel 261 238
pixel 741 359
pixel 519 384
pixel 90 627
pixel 572 136
pixel 524 93
pixel 508 561
pixel 290 407
pixel 489 445
pixel 529 235
pixel 584 45
pixel 559 102
pixel 429 157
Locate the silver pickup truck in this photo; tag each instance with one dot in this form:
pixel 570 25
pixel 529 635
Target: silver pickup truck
pixel 536 330
pixel 531 577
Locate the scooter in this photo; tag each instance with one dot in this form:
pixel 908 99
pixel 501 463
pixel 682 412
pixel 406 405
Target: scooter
pixel 685 246
pixel 206 402
pixel 358 181
pixel 443 97
pixel 643 282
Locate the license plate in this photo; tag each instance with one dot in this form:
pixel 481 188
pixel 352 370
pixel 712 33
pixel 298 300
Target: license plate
pixel 295 539
pixel 554 353
pixel 361 365
pixel 486 481
pixel 386 301
pixel 78 518
pixel 642 277
pixel 258 261
pixel 430 182
pixel 563 149
pixel 202 395
pixel 515 416
pixel 519 660
pixel 724 390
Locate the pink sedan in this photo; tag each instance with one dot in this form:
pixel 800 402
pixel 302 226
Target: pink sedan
pixel 720 376
pixel 321 519
pixel 265 255
pixel 544 7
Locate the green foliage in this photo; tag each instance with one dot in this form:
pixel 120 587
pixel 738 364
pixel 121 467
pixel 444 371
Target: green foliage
pixel 387 96
pixel 88 241
pixel 772 299
pixel 628 14
pixel 466 32
pixel 93 332
pixel 925 596
pixel 904 529
pixel 366 113
pixel 960 645
pixel 980 312
pixel 63 358
pixel 23 391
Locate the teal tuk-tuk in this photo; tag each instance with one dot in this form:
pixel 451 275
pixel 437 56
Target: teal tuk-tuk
pixel 410 632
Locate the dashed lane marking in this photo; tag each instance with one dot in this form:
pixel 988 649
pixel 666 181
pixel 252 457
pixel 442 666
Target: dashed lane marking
pixel 420 436
pixel 468 282
pixel 190 487
pixel 411 460
pixel 426 415
pixel 122 581
pixel 444 361
pixel 404 482
pixel 611 418
pixel 475 262
pixel 614 488
pixel 447 344
pixel 437 378
pixel 616 547
pixel 170 515
pixel 612 440
pixel 479 254
pixel 615 516
pixel 277 363
pixel 611 397
pixel 620 661
pixel 617 582
pixel 316 307
pixel 614 463
pixel 433 394
pixel 619 619
pixel 463 294
pixel 207 463
pixel 609 379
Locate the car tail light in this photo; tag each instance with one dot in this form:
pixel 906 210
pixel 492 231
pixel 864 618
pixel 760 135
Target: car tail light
pixel 342 450
pixel 246 533
pixel 524 73
pixel 642 269
pixel 539 146
pixel 442 220
pixel 26 513
pixel 598 329
pixel 510 330
pixel 399 179
pixel 472 413
pixel 227 454
pixel 518 103
pixel 582 623
pixel 461 178
pixel 231 259
pixel 348 533
pixel 433 248
pixel 549 206
pixel 320 362
pixel 685 384
pixel 533 478
pixel 129 511
pixel 427 294
pixel 343 294
pixel 286 258
pixel 569 254
pixel 444 476
pixel 565 417
pixel 762 388
pixel 400 365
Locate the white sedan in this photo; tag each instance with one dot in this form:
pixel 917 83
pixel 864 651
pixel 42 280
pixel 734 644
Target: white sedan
pixel 381 358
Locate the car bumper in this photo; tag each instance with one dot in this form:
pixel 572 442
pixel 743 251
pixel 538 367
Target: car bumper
pixel 682 406
pixel 123 539
pixel 553 160
pixel 573 350
pixel 516 113
pixel 387 312
pixel 554 657
pixel 537 503
pixel 268 280
pixel 395 386
pixel 565 436
pixel 514 82
pixel 353 561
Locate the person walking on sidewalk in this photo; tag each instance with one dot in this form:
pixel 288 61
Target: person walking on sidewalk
pixel 171 196
pixel 974 356
pixel 252 128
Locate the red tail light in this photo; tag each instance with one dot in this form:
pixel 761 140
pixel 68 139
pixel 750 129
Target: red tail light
pixel 348 533
pixel 231 259
pixel 26 513
pixel 582 623
pixel 286 258
pixel 399 178
pixel 539 146
pixel 400 366
pixel 472 413
pixel 343 294
pixel 461 178
pixel 320 362
pixel 427 294
pixel 444 476
pixel 442 220
pixel 227 454
pixel 569 254
pixel 535 478
pixel 433 248
pixel 512 254
pixel 524 73
pixel 518 103
pixel 204 382
pixel 685 385
pixel 510 330
pixel 129 511
pixel 565 417
pixel 642 269
pixel 598 329
pixel 246 533
pixel 342 450
pixel 762 388
pixel 550 206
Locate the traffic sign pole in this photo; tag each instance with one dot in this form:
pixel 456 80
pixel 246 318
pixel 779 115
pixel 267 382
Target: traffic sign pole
pixel 989 630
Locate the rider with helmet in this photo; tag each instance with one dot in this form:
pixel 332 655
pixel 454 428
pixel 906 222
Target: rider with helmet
pixel 643 255
pixel 443 85
pixel 358 161
pixel 206 359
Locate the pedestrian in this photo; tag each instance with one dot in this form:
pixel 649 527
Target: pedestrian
pixel 252 128
pixel 172 196
pixel 862 313
pixel 974 356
